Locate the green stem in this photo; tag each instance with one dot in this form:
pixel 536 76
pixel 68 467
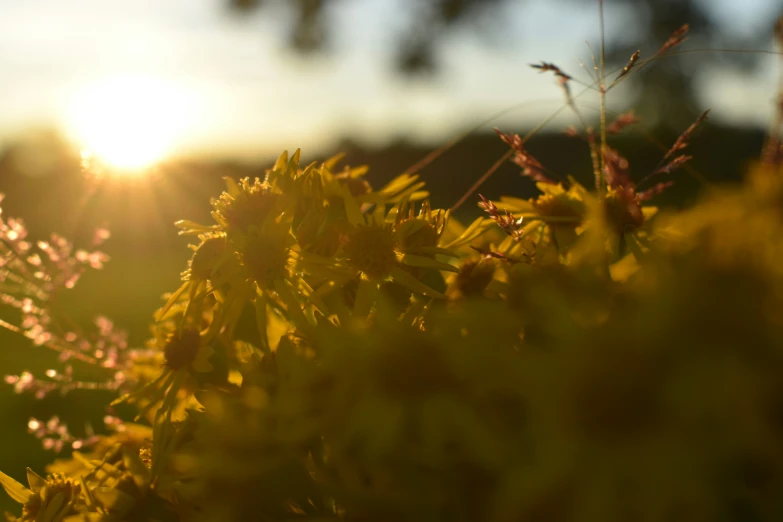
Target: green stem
pixel 602 93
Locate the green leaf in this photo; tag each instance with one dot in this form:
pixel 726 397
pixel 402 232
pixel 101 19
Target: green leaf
pixel 293 307
pixel 407 280
pixel 137 469
pixel 85 517
pixel 88 498
pixel 262 321
pixel 426 262
pixel 427 250
pixel 634 247
pixel 14 489
pixel 366 296
pixel 474 230
pixel 173 299
pixel 113 499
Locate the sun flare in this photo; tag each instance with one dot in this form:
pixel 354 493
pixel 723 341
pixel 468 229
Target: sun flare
pixel 129 123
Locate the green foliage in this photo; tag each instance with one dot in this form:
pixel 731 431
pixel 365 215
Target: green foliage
pixel 334 354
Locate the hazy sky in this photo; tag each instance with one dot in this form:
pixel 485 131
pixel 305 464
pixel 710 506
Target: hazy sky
pixel 233 88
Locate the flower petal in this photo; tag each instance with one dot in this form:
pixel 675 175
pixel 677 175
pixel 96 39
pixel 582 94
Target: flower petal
pixel 14 489
pixel 36 481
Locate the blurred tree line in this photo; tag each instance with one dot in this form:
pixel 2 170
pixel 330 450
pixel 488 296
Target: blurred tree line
pixel 42 178
pixel 666 96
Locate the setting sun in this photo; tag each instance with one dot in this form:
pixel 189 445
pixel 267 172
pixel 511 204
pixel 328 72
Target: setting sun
pixel 129 123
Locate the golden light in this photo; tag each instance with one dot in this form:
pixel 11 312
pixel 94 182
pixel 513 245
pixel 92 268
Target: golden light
pixel 128 123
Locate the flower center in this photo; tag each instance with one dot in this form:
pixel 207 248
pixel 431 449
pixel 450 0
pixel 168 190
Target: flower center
pixel 181 350
pixel 423 234
pixel 252 207
pixel 55 485
pixel 370 249
pixel 265 256
pixel 561 205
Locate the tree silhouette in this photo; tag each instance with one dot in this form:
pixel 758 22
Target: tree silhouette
pixel 417 43
pixel 664 93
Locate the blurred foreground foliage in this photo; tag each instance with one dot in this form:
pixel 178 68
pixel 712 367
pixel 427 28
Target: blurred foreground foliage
pixel 340 352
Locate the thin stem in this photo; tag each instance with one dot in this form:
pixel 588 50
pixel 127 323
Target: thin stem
pixel 602 94
pixel 435 154
pixel 640 65
pixel 495 166
pixel 772 148
pixel 73 355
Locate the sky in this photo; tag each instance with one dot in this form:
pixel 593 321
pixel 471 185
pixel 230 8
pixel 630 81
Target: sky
pixel 188 77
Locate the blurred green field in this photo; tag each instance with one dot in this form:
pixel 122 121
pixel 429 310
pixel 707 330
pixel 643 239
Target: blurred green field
pixel 127 290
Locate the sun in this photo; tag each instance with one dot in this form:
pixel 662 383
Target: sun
pixel 129 123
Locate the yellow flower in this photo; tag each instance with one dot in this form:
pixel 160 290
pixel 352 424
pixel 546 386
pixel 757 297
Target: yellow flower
pixel 47 500
pixel 370 249
pixel 420 234
pixel 247 204
pixel 558 202
pixel 373 250
pixel 265 254
pixel 187 350
pixel 473 278
pixel 319 233
pixel 206 257
pixel 187 354
pixel 212 262
pixel 623 211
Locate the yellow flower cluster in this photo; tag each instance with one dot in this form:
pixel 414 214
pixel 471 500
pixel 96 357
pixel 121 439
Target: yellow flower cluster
pixel 342 353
